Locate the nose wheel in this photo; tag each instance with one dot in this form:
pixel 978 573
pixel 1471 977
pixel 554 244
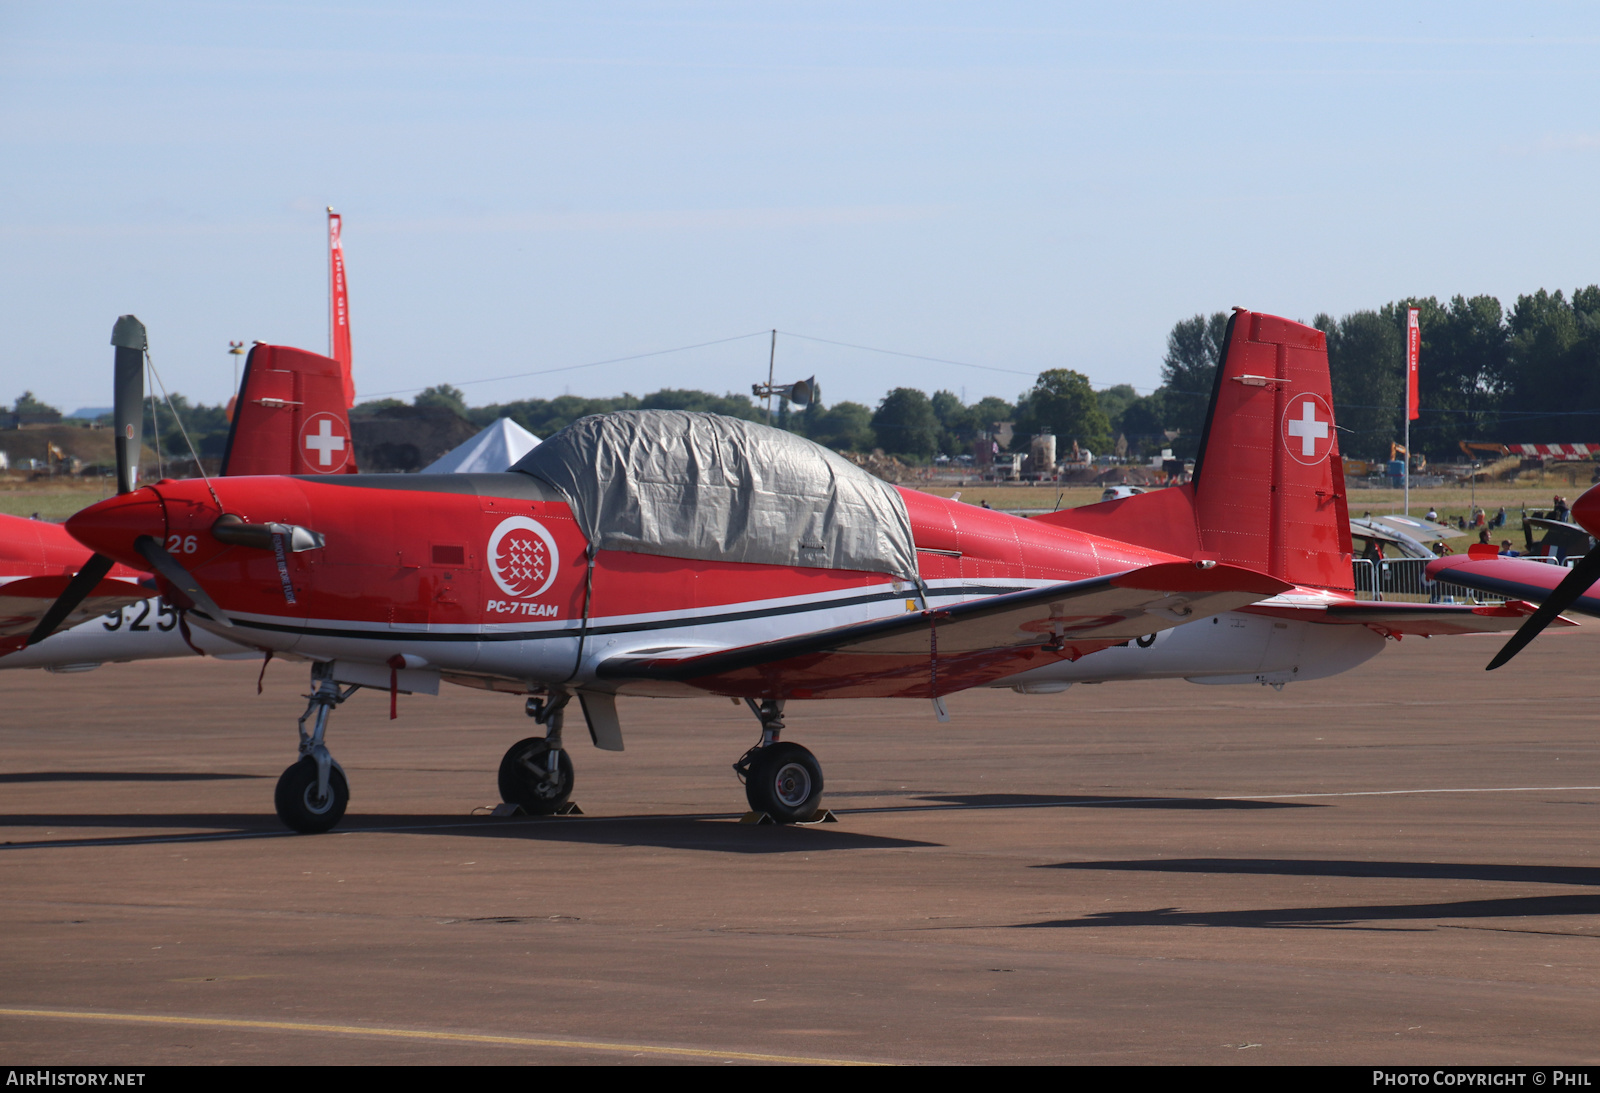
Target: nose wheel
pixel 303 806
pixel 312 794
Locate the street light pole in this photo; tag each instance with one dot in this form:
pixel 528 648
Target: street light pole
pixel 236 350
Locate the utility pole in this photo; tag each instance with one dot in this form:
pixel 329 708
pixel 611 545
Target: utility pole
pixel 772 358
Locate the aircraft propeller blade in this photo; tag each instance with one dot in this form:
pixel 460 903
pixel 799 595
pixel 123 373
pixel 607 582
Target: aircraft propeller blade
pixel 1575 584
pixel 80 586
pixel 181 579
pixel 128 335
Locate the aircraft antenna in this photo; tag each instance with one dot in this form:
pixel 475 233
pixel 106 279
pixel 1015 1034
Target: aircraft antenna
pixel 155 426
pixel 199 466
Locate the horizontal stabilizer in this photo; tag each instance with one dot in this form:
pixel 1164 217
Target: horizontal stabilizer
pixel 925 654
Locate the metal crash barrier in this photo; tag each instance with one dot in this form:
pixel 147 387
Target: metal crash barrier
pixel 1405 580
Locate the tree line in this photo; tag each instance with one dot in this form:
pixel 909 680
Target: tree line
pixel 1530 374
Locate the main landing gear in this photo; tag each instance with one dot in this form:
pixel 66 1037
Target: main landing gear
pixel 537 772
pixel 312 794
pixel 782 780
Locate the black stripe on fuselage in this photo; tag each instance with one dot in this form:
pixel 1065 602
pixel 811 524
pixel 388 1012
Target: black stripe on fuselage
pixel 622 628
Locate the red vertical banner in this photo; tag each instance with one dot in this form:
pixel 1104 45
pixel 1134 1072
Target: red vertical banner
pixel 339 307
pixel 1413 350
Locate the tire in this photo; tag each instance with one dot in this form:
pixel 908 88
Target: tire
pixel 297 803
pixel 785 782
pixel 522 782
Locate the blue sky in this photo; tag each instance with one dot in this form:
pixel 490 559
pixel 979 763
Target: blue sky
pixel 529 187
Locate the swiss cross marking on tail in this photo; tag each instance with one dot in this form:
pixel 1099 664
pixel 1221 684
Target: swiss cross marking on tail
pixel 1308 428
pixel 324 443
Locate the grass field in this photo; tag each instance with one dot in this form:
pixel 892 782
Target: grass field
pixel 51 498
pixel 58 498
pixel 1449 501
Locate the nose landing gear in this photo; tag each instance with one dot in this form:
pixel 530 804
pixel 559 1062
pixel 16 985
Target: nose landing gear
pixel 312 794
pixel 781 779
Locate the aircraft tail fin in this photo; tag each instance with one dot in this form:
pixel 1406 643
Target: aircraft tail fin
pixel 290 416
pixel 1268 490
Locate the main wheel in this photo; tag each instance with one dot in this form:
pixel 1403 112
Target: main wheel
pixel 785 782
pixel 298 805
pixel 523 778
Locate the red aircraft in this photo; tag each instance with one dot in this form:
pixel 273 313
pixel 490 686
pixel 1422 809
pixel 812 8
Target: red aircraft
pixel 667 553
pixel 1555 588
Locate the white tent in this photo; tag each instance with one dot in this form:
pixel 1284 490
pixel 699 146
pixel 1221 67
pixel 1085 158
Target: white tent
pixel 491 451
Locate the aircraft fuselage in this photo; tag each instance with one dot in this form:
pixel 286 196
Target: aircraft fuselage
pixel 486 580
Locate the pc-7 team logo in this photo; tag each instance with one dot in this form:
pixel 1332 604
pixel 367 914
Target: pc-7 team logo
pixel 522 559
pixel 1308 429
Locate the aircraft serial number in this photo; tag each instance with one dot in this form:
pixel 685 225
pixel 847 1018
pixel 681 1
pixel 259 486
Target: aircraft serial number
pixel 135 615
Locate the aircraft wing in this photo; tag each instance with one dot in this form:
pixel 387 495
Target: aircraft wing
pixel 1511 577
pixel 23 603
pixel 925 654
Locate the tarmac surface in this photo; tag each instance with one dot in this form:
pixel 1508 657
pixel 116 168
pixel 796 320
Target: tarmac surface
pixel 1395 866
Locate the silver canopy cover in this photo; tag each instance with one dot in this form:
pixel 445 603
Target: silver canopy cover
pixel 694 485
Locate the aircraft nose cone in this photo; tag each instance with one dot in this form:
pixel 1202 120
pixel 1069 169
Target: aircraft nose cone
pixel 1586 511
pixel 111 526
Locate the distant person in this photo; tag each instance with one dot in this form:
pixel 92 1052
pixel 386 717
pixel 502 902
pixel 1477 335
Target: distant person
pixel 1461 523
pixel 1483 537
pixel 1441 548
pixel 1506 551
pixel 985 503
pixel 1432 517
pixel 1500 517
pixel 1374 551
pixel 1560 511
